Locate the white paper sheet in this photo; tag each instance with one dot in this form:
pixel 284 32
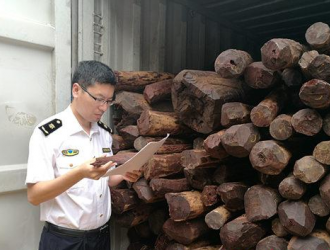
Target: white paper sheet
pixel 138 160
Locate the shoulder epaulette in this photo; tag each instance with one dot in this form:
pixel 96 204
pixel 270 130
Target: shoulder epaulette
pixel 51 126
pixel 102 125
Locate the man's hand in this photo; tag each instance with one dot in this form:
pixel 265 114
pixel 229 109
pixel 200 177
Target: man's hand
pixel 93 172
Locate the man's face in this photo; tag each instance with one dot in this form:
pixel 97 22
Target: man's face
pixel 91 103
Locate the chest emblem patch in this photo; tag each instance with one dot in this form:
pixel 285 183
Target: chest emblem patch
pixel 70 152
pixel 106 150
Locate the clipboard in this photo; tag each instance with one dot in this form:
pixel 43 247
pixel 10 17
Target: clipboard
pixel 138 160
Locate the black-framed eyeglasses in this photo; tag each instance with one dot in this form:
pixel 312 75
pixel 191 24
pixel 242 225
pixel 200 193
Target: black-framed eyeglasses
pixel 99 100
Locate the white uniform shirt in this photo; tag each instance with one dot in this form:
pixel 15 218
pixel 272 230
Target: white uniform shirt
pixel 87 204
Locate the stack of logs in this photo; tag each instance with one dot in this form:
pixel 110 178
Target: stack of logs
pixel 246 163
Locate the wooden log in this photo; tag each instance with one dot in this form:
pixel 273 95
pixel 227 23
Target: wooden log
pixel 213 147
pixel 143 230
pixel 185 205
pixel 198 178
pixel 133 103
pixel 198 143
pixel 319 67
pixel 138 246
pixel 134 216
pixel 162 186
pixel 266 111
pixel 296 217
pixel 156 220
pixel 209 195
pixel 197 158
pixel 145 192
pixel 326 124
pixel 307 122
pixel 281 128
pixel 322 153
pixel 278 229
pixel 162 166
pixel 136 81
pixel 309 170
pixel 327 225
pixel 238 140
pixel 185 232
pixel 119 158
pixel 154 123
pixel 194 245
pixel 315 94
pixel 261 203
pixel 233 113
pixel 269 157
pixel 158 91
pixel 271 180
pixel 292 77
pixel 272 242
pixel 171 145
pixel 163 106
pixel 318 36
pixel 257 76
pixel 118 143
pixel 129 133
pixel 123 200
pixel 162 242
pixel 198 96
pixel 305 60
pixel 241 234
pixel 292 188
pixel 231 63
pixel 232 194
pixel 325 190
pixel 318 207
pixel 280 53
pixel 216 218
pixel 317 240
pixel 122 118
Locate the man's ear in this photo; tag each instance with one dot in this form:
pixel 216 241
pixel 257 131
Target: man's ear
pixel 75 89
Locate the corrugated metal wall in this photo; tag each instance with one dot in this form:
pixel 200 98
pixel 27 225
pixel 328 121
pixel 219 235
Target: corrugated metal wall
pixel 162 35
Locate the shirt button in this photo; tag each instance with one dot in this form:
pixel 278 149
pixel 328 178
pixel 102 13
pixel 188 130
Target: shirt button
pixel 100 195
pixel 101 215
pixel 90 139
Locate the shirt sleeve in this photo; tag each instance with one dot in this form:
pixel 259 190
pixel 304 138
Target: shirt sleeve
pixel 41 159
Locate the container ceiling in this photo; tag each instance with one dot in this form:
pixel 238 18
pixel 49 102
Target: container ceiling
pixel 263 20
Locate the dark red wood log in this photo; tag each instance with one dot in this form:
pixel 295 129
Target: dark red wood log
pixel 163 106
pixel 292 188
pixel 278 228
pixel 238 140
pixel 266 111
pixel 198 96
pixel 232 194
pixel 133 103
pixel 261 203
pixel 269 157
pixel 272 242
pixel 129 133
pixel 210 196
pixel 292 77
pixel 158 91
pixel 185 232
pixel 218 217
pixel 154 123
pixel 318 206
pixel 198 143
pixel 319 67
pixel 198 178
pixel 325 190
pixel 309 170
pixel 305 60
pixel 315 93
pixel 307 122
pixel 156 220
pixel 233 113
pixel 317 240
pixel 240 234
pixel 185 205
pixel 296 217
pixel 281 128
pixel 162 242
pixel 134 216
pixel 162 166
pixel 118 143
pixel 280 53
pixel 213 147
pixel 257 76
pixel 163 186
pixel 322 153
pixel 135 81
pixel 171 145
pixel 231 63
pixel 197 158
pixel 318 36
pixel 145 192
pixel 123 200
pixel 326 124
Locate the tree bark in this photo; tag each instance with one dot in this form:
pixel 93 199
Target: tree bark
pixel 123 200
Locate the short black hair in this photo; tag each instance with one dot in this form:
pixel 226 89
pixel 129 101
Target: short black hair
pixel 90 72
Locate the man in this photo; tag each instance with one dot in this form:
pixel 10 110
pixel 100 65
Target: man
pixel 73 196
